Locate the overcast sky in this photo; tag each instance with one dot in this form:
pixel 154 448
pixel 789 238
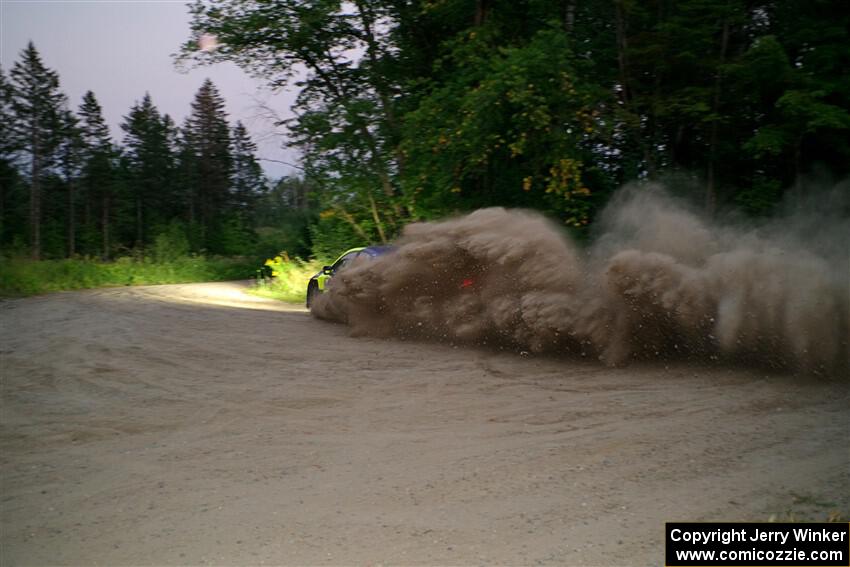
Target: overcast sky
pixel 121 48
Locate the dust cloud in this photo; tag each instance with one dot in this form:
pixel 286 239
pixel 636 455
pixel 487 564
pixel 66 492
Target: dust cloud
pixel 659 281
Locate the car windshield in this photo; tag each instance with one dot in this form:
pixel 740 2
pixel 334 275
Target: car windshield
pixel 345 261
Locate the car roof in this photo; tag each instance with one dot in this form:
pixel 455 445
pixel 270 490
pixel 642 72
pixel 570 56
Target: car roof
pixel 377 250
pixel 371 251
pixel 350 250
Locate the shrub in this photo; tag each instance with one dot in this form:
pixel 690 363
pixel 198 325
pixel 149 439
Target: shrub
pixel 285 279
pixel 171 244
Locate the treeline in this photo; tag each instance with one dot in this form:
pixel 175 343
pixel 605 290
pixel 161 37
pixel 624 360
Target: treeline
pixel 410 109
pixel 67 189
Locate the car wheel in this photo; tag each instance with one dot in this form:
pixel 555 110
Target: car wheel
pixel 312 292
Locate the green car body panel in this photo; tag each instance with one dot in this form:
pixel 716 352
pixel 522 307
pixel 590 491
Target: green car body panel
pixel 319 283
pixel 322 278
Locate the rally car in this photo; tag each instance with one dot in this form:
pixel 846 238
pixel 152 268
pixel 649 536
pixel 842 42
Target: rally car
pixel 318 283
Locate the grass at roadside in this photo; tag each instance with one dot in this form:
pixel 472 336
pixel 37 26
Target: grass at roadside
pixel 19 277
pixel 287 279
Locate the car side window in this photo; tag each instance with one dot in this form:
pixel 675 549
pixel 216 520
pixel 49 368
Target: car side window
pixel 344 261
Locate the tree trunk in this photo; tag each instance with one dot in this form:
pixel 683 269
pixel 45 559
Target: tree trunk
pixel 650 153
pixel 481 9
pixel 350 220
pixel 139 232
pixel 711 182
pixel 192 213
pixel 377 219
pixel 798 160
pixel 367 18
pixel 301 196
pixel 90 245
pixel 72 235
pixel 569 16
pixel 105 226
pixel 710 189
pixel 35 206
pixel 336 85
pixel 626 94
pixel 622 46
pixel 2 208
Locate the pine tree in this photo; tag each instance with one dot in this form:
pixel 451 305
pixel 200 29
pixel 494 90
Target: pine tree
pixel 37 104
pixel 7 142
pixel 8 172
pixel 209 135
pixel 70 157
pixel 186 179
pixel 170 200
pixel 150 163
pixel 98 174
pixel 94 129
pixel 247 179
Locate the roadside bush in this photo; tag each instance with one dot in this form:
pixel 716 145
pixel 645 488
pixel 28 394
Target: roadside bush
pixel 171 244
pixel 285 279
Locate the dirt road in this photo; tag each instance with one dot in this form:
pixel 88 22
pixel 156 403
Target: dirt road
pixel 192 424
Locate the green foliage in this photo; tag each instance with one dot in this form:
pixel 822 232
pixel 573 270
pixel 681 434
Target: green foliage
pixel 66 190
pixel 346 117
pixel 552 105
pixel 283 215
pixel 291 235
pixel 232 237
pixel 506 126
pixel 247 180
pixel 98 182
pixel 36 105
pixel 414 110
pixel 149 167
pixel 285 279
pixel 171 244
pixel 211 192
pixel 332 235
pixel 768 141
pixel 26 277
pixel 760 199
pixel 809 112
